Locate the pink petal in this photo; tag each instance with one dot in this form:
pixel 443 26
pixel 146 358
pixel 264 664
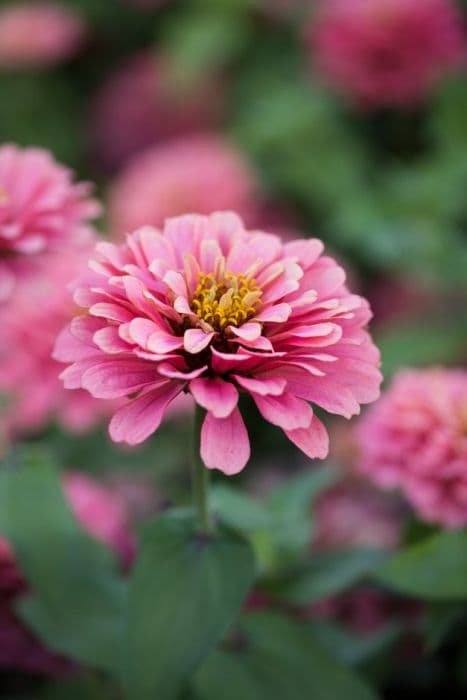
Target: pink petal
pixel 109 341
pixel 249 331
pixel 274 314
pixel 110 378
pixel 215 395
pixel 313 441
pixel 224 443
pixel 141 417
pixel 285 411
pixel 140 329
pixel 161 342
pixel 264 386
pixel 196 340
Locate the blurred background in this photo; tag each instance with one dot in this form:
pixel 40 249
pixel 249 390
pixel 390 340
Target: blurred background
pixel 342 120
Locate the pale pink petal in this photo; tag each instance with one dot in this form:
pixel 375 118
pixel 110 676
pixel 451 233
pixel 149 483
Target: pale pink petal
pixel 196 340
pixel 274 314
pixel 215 395
pixel 248 331
pixel 120 377
pixel 313 441
pixel 285 411
pixel 224 443
pixel 262 385
pixel 140 418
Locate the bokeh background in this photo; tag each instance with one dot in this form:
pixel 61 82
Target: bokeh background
pixel 305 124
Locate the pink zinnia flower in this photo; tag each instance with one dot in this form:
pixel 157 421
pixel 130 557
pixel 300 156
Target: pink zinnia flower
pixel 354 515
pixel 415 439
pixel 207 307
pixel 37 34
pixel 386 52
pixel 200 174
pixel 29 377
pixel 139 105
pixel 41 209
pixel 104 515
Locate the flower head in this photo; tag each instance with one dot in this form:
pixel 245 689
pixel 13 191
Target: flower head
pixel 197 174
pixel 386 52
pixel 39 309
pixel 40 34
pixel 140 105
pixel 207 307
pixel 415 438
pixel 41 209
pixel 103 515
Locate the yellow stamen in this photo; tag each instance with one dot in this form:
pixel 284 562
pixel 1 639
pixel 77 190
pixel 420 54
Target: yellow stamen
pixel 227 301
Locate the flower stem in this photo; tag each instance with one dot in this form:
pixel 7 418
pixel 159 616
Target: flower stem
pixel 200 477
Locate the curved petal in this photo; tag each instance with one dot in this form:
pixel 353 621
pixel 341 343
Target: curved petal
pixel 224 443
pixel 215 395
pixel 313 441
pixel 196 340
pixel 112 378
pixel 286 411
pixel 141 417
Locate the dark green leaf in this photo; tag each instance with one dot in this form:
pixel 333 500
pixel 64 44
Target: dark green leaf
pixel 435 569
pixel 276 658
pixel 185 592
pixel 78 598
pixel 238 510
pixel 330 573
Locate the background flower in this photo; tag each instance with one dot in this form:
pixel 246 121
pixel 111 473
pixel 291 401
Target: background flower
pixel 38 34
pixel 387 52
pixel 199 175
pixel 41 209
pixel 415 439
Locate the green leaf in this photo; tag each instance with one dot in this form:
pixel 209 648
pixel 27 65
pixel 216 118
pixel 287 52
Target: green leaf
pixel 436 569
pixel 185 592
pixel 78 598
pixel 291 505
pixel 275 658
pixel 238 510
pixel 351 647
pixel 440 620
pixel 330 573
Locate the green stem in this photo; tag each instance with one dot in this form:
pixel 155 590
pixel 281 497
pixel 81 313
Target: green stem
pixel 200 477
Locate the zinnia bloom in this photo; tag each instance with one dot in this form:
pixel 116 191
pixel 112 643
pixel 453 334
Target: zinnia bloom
pixel 41 209
pixel 200 174
pixel 207 307
pixel 356 515
pixel 37 34
pixel 386 52
pixel 29 377
pixel 104 516
pixel 139 105
pixel 415 439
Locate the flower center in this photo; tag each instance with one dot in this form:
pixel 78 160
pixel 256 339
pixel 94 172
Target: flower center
pixel 227 302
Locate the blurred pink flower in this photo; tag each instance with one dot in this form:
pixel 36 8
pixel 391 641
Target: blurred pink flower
pixel 415 438
pixel 41 209
pixel 208 307
pixel 386 52
pixel 37 34
pixel 354 515
pixel 40 307
pixel 140 106
pixel 104 516
pixel 199 174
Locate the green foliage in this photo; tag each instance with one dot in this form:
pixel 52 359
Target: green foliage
pixel 435 569
pixel 185 592
pixel 273 657
pixel 78 600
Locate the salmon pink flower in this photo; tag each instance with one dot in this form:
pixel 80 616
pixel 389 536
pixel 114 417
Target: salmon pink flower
pixel 386 52
pixel 206 307
pixel 415 439
pixel 199 174
pixel 36 34
pixel 41 209
pixel 29 377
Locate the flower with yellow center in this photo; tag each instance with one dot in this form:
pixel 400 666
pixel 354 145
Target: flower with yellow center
pixel 229 301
